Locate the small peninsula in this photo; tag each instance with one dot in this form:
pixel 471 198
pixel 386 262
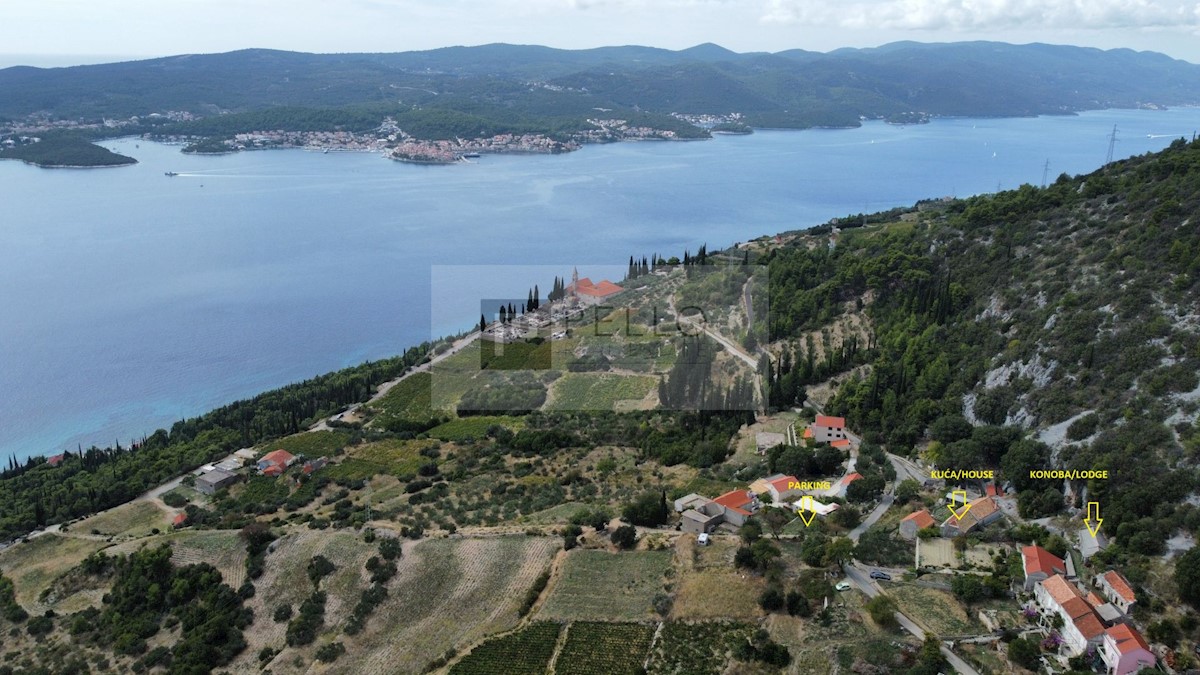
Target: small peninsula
pixel 62 153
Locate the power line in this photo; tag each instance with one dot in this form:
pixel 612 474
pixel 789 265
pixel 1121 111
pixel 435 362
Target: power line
pixel 1112 143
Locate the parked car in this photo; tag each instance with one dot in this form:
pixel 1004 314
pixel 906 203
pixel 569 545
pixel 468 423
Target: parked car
pixel 702 539
pixel 876 574
pixel 843 586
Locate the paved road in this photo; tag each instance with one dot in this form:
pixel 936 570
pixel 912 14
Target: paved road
pixel 884 505
pixel 906 468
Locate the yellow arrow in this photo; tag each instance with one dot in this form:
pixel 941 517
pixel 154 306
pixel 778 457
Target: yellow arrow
pixel 957 515
pixel 1093 513
pixel 806 509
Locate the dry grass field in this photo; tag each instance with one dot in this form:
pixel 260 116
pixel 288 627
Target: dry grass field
pixel 938 552
pixel 933 610
pixel 713 594
pixel 34 565
pixel 131 520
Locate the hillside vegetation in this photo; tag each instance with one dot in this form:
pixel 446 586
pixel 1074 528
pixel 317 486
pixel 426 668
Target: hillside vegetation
pixel 498 88
pixel 1070 310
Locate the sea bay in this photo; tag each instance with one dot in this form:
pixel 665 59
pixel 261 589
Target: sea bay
pixel 129 299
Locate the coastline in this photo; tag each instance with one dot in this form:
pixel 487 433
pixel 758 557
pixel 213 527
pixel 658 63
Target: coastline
pixel 39 165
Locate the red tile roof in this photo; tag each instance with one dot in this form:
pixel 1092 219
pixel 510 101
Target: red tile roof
pixel 179 519
pixel 1127 639
pixel 600 290
pixel 1067 596
pixel 1089 624
pixel 280 457
pixel 922 518
pixel 55 460
pixel 782 484
pixel 1038 559
pixel 990 489
pixel 827 421
pixel 841 443
pixel 1060 590
pixel 808 432
pixel 1119 585
pixel 736 500
pixel 273 470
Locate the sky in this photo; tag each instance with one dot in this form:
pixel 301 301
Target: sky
pixel 64 32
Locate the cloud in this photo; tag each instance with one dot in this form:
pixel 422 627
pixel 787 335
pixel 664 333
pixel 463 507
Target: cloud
pixel 986 15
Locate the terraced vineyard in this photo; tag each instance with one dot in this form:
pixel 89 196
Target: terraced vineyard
pixel 222 549
pixel 408 401
pixel 311 443
pixel 525 652
pixel 601 585
pixel 604 648
pixel 600 391
pixel 474 427
pixel 391 456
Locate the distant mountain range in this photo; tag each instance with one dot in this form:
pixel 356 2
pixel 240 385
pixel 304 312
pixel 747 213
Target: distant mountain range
pixel 535 85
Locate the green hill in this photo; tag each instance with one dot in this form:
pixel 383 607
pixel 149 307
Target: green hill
pixel 788 89
pixel 1068 311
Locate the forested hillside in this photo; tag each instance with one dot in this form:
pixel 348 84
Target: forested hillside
pixel 511 83
pixel 1070 311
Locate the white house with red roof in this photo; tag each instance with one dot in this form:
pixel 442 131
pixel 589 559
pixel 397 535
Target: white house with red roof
pixel 1117 590
pixel 981 512
pixel 915 522
pixel 1040 565
pixel 782 488
pixel 738 506
pixel 1081 625
pixel 1125 651
pixel 828 429
pixel 276 461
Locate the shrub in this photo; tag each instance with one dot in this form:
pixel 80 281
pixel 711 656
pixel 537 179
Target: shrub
pixel 624 537
pixel 282 613
pixel 329 653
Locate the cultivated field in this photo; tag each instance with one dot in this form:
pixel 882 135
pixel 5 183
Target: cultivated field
pixel 449 593
pixel 701 648
pixel 525 652
pixel 601 585
pixel 599 391
pixel 223 549
pixel 310 443
pixel 604 648
pixel 473 428
pixel 409 400
pixel 391 456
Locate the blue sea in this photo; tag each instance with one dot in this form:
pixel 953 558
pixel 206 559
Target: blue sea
pixel 129 299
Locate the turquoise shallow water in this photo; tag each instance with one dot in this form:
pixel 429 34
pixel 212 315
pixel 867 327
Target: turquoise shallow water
pixel 129 299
